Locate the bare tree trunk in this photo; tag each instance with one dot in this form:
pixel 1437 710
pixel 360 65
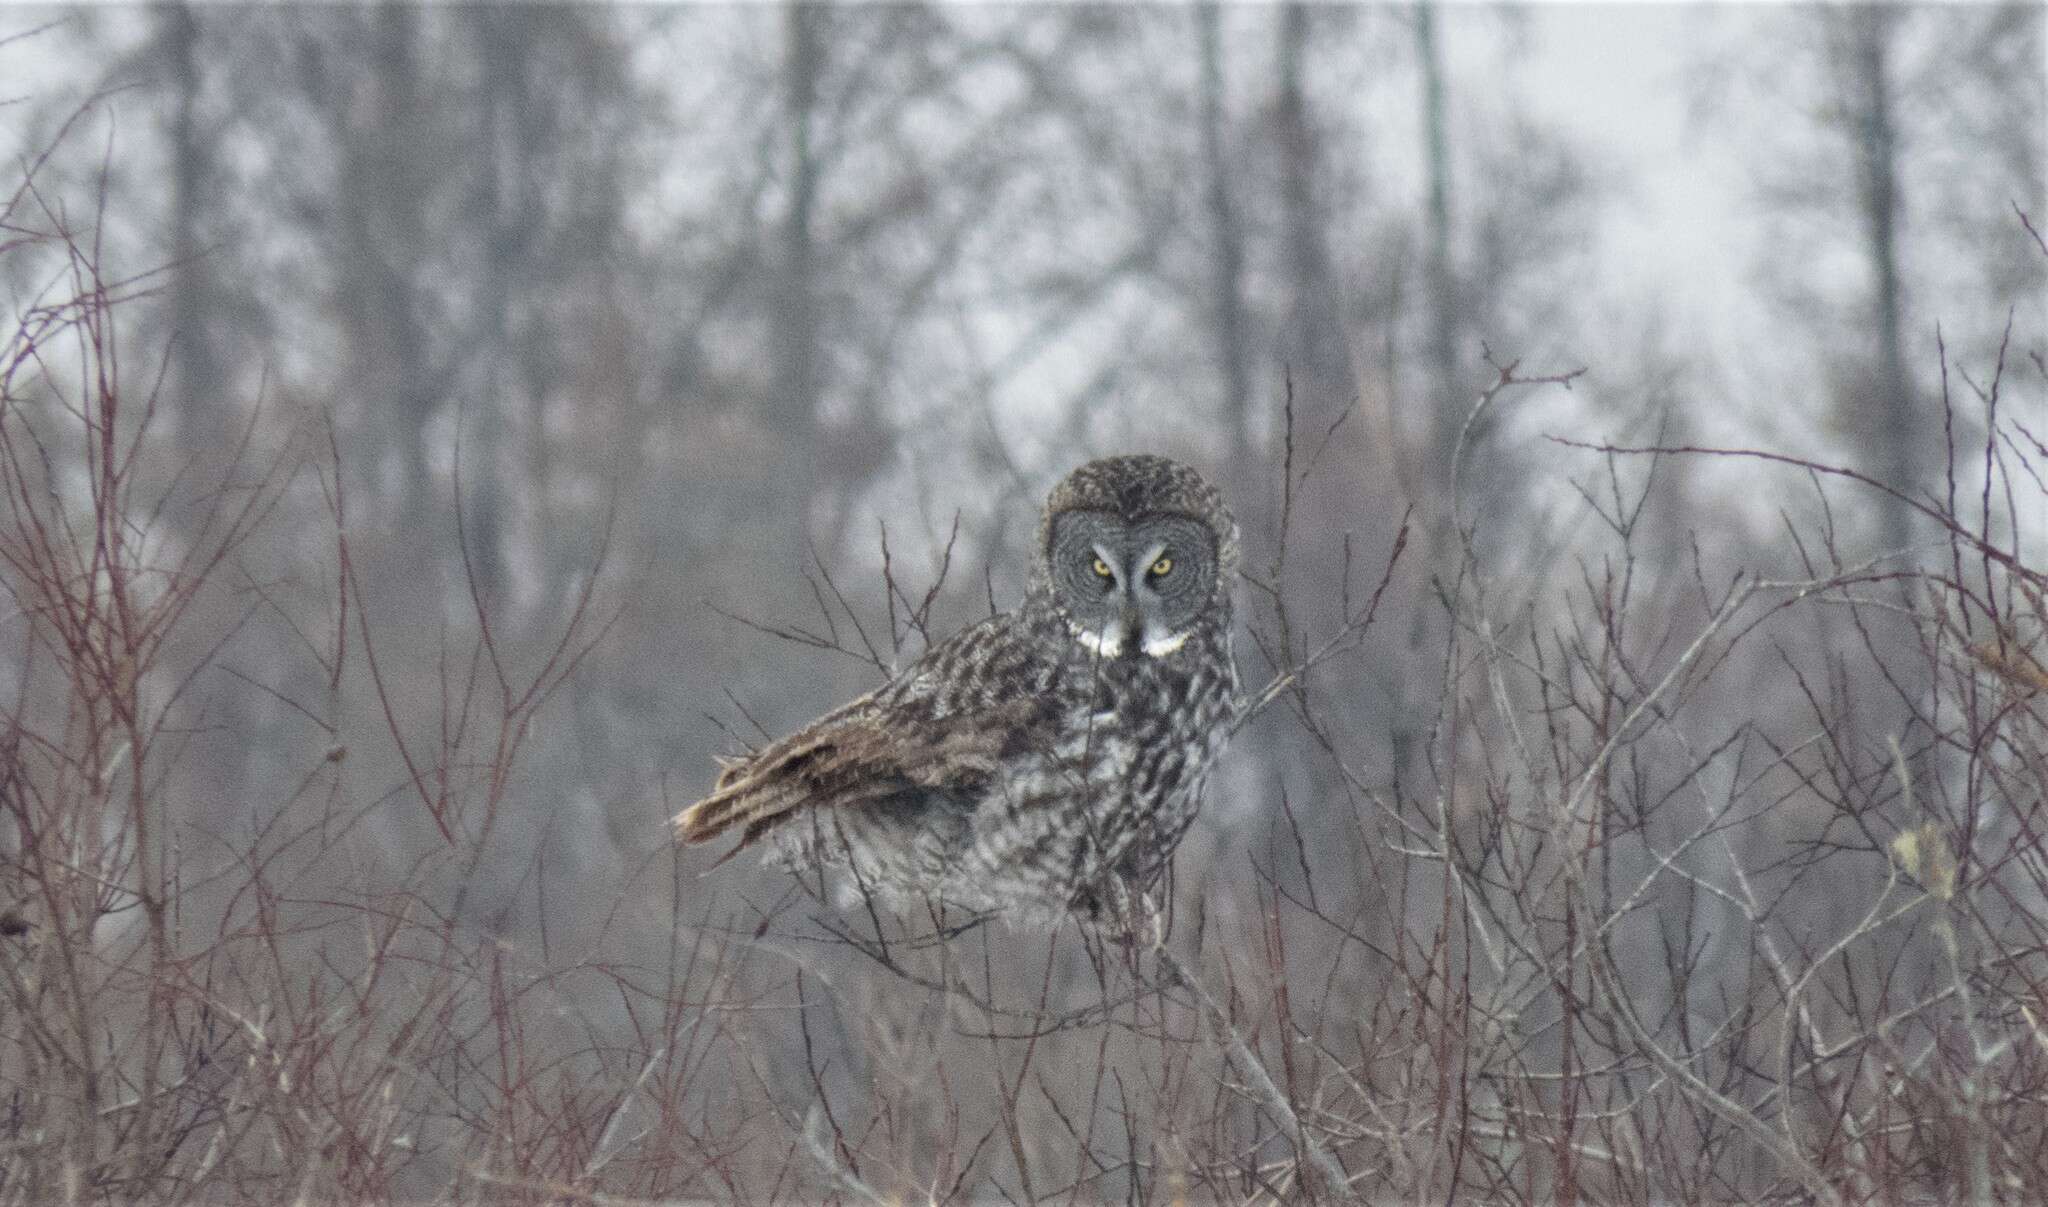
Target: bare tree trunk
pixel 1892 428
pixel 1226 262
pixel 383 204
pixel 197 408
pixel 1316 353
pixel 1445 392
pixel 506 40
pixel 797 384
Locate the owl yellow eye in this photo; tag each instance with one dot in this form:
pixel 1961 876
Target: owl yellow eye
pixel 1161 568
pixel 1102 569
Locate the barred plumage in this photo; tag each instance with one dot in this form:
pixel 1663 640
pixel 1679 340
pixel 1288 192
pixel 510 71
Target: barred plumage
pixel 1044 759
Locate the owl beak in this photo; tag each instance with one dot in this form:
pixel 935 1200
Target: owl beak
pixel 1133 627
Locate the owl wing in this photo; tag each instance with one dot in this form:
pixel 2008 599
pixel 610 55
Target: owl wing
pixel 877 747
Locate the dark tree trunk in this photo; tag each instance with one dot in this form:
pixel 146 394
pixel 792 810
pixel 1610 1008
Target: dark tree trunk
pixel 1446 393
pixel 794 409
pixel 1316 354
pixel 1892 427
pixel 1227 308
pixel 199 413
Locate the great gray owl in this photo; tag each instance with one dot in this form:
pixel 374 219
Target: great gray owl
pixel 1044 759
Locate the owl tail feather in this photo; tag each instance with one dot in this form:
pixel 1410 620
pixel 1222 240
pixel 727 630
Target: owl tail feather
pixel 754 792
pixel 725 808
pixel 713 816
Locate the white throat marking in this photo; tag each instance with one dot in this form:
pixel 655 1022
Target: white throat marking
pixel 1109 642
pixel 1160 647
pixel 1106 644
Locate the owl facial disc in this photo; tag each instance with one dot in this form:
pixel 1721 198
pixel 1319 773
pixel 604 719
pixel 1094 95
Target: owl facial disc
pixel 1126 600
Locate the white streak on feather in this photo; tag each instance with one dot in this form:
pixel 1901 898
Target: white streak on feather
pixel 1110 641
pixel 1107 644
pixel 1160 647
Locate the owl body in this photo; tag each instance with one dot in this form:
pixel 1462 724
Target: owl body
pixel 1043 760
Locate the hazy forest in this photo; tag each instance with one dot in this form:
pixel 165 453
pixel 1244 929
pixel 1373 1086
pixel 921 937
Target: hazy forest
pixel 430 434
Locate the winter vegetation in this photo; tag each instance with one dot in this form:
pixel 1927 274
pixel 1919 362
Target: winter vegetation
pixel 430 434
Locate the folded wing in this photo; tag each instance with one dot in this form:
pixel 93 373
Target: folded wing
pixel 863 753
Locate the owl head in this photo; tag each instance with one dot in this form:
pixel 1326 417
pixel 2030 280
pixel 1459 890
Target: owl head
pixel 1137 552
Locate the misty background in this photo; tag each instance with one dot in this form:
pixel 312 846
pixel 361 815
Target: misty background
pixel 720 293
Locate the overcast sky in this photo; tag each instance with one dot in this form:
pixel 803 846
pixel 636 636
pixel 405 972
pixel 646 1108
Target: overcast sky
pixel 1615 75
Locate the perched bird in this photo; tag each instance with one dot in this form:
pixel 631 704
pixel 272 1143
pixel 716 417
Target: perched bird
pixel 1046 759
